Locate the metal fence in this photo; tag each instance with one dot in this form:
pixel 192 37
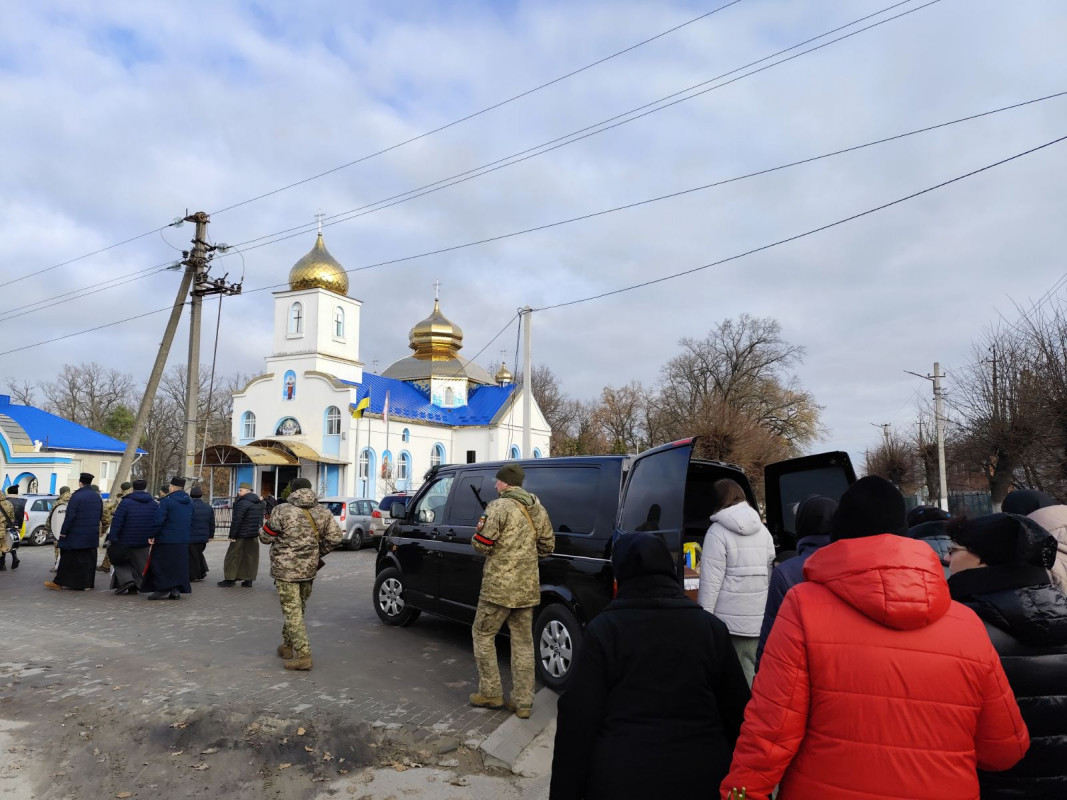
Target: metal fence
pixel 222 521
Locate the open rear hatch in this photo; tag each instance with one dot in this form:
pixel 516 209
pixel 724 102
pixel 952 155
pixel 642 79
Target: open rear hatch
pixel 786 483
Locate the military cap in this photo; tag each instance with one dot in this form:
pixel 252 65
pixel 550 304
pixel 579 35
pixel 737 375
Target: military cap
pixel 299 483
pixel 511 474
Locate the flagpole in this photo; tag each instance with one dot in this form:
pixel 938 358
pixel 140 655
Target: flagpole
pixel 355 486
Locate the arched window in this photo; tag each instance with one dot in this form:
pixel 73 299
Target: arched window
pixel 403 468
pixel 450 396
pixel 339 322
pixel 405 436
pixel 296 318
pixel 364 465
pixel 514 453
pixel 537 453
pixel 248 425
pixel 437 455
pixel 333 421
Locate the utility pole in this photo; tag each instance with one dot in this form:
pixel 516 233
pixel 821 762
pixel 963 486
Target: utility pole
pixel 197 265
pixel 527 388
pixel 885 426
pixel 149 398
pixel 939 426
pixel 196 284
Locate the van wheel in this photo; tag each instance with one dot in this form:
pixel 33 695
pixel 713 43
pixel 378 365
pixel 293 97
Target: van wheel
pixel 557 636
pixel 39 535
pixel 389 601
pixel 356 542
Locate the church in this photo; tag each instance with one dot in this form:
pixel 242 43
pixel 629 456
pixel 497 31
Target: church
pixel 317 413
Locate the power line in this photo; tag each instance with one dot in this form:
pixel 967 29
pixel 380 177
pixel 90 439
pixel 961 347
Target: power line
pixel 584 133
pixel 88 330
pixel 794 238
pixel 691 190
pixel 395 146
pixel 439 251
pixel 665 278
pixel 588 131
pixel 476 113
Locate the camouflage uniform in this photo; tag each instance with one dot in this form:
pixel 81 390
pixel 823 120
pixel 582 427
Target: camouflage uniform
pixel 64 497
pixel 8 513
pixel 511 589
pixel 295 550
pixel 105 524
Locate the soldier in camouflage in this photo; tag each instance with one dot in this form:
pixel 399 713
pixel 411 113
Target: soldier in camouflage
pixel 7 520
pixel 55 522
pixel 299 533
pixel 105 521
pixel 513 534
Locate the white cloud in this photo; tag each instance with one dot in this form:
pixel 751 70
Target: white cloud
pixel 120 116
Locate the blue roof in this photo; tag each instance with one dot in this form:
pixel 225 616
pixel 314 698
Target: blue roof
pixel 407 401
pixel 57 433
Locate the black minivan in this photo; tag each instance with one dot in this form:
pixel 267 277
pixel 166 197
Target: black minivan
pixel 427 563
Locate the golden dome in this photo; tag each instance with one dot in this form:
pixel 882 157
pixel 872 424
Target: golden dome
pixel 503 376
pixel 319 270
pixel 436 338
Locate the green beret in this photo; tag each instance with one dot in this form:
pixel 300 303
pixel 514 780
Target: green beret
pixel 299 483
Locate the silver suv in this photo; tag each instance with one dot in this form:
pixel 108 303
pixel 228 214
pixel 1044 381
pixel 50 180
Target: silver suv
pixel 353 514
pixel 38 507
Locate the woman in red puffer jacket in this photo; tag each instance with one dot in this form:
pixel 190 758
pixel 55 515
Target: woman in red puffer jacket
pixel 873 683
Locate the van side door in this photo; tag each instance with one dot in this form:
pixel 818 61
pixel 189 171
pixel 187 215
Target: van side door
pixel 460 563
pixel 653 497
pixel 417 547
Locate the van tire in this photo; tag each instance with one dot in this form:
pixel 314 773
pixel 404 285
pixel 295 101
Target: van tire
pixel 557 637
pixel 356 542
pixel 389 601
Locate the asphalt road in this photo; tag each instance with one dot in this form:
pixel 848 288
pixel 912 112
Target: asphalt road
pixel 102 695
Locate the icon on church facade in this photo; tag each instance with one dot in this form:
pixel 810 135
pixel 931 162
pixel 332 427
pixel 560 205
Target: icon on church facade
pixel 289 385
pixel 288 427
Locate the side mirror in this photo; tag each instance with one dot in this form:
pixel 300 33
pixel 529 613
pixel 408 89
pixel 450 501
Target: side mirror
pixel 398 511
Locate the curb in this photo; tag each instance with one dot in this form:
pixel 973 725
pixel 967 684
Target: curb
pixel 503 746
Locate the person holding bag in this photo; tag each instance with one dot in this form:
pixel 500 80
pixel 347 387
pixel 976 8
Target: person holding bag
pixel 299 533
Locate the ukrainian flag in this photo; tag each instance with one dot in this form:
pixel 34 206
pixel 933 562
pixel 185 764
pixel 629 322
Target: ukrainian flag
pixel 362 403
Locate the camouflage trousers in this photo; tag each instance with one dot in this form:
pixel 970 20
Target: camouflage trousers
pixel 294 597
pixel 488 621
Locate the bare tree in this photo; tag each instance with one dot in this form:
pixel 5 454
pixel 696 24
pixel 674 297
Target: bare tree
pixel 745 366
pixel 22 392
pixel 1000 408
pixel 88 393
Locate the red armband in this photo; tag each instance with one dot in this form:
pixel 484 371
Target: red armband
pixel 269 531
pixel 482 540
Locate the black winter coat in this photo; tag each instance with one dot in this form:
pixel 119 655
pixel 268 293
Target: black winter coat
pixel 1026 619
pixel 203 522
pixel 134 522
pixel 81 527
pixel 655 702
pixel 247 517
pixel 174 516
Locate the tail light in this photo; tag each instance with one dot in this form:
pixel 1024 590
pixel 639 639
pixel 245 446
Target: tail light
pixel 376 514
pixel 344 512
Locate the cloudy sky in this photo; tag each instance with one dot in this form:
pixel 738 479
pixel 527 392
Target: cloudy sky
pixel 120 116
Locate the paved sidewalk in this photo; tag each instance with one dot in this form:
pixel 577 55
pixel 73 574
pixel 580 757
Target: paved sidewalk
pixel 186 699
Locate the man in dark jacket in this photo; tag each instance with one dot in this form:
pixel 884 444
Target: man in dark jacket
pixel 132 527
pixel 813 531
pixel 79 538
pixel 242 556
pixel 200 534
pixel 999 565
pixel 657 694
pixel 168 564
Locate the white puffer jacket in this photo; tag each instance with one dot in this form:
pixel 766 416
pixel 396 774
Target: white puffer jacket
pixel 735 569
